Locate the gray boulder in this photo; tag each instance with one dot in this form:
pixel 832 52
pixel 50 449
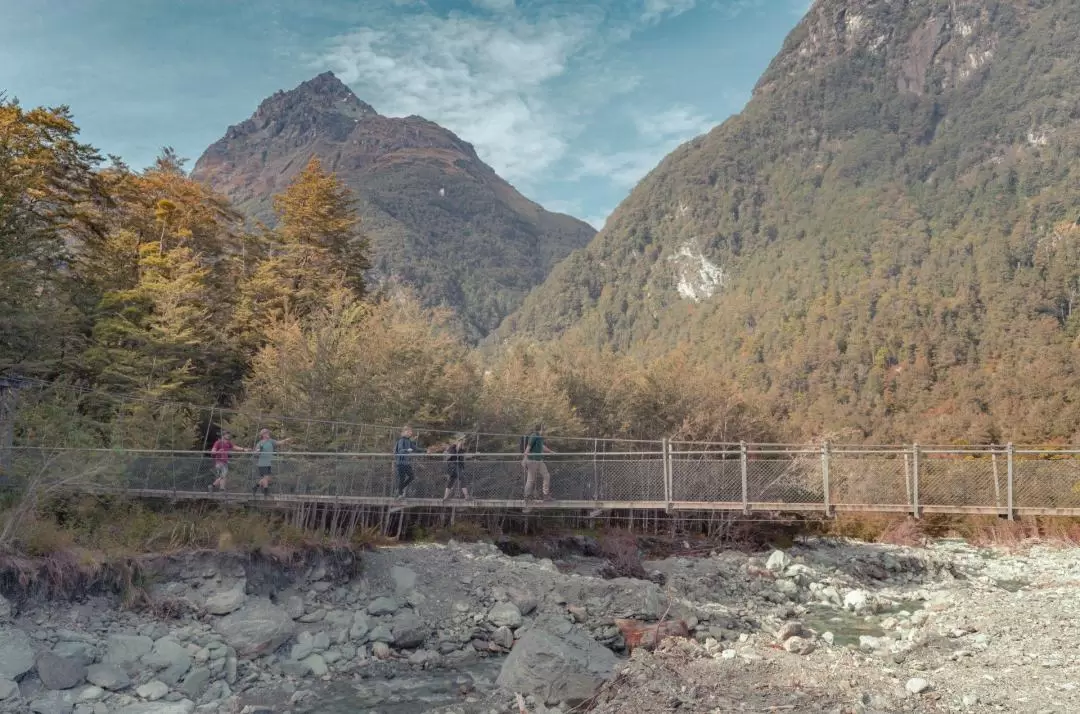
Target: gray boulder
pixel 107 676
pixel 124 650
pixel 184 706
pixel 79 651
pixel 409 631
pixel 57 672
pixel 53 703
pixel 505 614
pixel 557 665
pixel 256 628
pixel 170 658
pixel 195 683
pixel 226 601
pixel 8 689
pixel 383 606
pixel 16 653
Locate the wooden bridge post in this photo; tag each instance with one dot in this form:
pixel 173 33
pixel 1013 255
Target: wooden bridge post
pixel 1009 471
pixel 745 484
pixel 915 480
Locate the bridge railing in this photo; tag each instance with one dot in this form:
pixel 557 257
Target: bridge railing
pixel 997 480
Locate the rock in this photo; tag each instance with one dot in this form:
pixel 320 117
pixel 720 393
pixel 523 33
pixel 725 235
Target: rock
pixel 107 676
pixel 828 637
pixel 53 703
pixel 380 650
pixel 503 637
pixel 91 694
pixel 152 691
pixel 505 614
pixel 195 682
pixel 568 667
pixel 409 631
pixel 799 645
pixel 404 579
pixel 320 642
pixel 831 595
pixel 868 643
pixel 78 651
pixel 16 653
pixel 124 650
pixel 383 606
pixel 778 561
pixel 57 672
pixel 381 633
pixel 8 689
pixel 578 612
pixel 360 627
pixel 294 605
pixel 526 602
pixel 226 601
pixel 184 706
pixel 789 630
pixel 169 657
pixel 259 627
pixel 858 601
pixel 316 665
pixel 916 685
pixel 304 646
pixel 313 616
pixel 5 609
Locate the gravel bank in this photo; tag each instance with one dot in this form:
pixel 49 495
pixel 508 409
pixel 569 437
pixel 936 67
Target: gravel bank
pixel 840 626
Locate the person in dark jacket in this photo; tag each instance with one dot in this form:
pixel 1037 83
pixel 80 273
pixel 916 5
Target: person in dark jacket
pixel 455 468
pixel 403 450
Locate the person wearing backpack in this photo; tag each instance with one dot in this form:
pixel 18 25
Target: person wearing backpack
pixel 455 468
pixel 533 460
pixel 403 449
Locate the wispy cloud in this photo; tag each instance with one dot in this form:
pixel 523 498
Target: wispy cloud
pixel 490 79
pixel 656 10
pixel 659 133
pixel 494 5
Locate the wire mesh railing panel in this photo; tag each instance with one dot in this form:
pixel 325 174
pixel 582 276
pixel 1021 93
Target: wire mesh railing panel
pixel 870 478
pixel 629 478
pixel 963 480
pixel 1046 481
pixel 706 478
pixel 784 478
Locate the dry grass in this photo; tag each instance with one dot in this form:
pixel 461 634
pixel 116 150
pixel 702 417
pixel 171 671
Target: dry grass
pixel 978 530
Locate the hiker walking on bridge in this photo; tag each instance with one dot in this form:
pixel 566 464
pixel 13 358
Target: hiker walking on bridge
pixel 455 468
pixel 534 463
pixel 265 448
pixel 403 451
pixel 220 451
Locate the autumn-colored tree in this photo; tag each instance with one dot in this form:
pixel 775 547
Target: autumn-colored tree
pixel 315 248
pixel 47 184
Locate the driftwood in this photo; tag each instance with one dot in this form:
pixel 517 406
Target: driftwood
pixel 649 634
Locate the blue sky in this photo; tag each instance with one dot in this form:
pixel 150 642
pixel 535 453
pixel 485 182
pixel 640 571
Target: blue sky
pixel 573 101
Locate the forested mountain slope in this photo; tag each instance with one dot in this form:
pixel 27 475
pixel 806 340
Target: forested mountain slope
pixel 438 219
pixel 884 244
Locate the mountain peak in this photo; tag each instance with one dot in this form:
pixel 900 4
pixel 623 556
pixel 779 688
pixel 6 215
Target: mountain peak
pixel 323 92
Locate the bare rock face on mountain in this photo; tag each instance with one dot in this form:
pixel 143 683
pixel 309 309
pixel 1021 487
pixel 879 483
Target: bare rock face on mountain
pixel 885 243
pixel 439 219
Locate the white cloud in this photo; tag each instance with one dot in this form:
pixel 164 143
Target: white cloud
pixel 659 134
pixel 494 5
pixel 657 10
pixel 680 122
pixel 491 80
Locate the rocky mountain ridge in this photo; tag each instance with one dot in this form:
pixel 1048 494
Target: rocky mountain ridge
pixel 438 218
pixel 882 245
